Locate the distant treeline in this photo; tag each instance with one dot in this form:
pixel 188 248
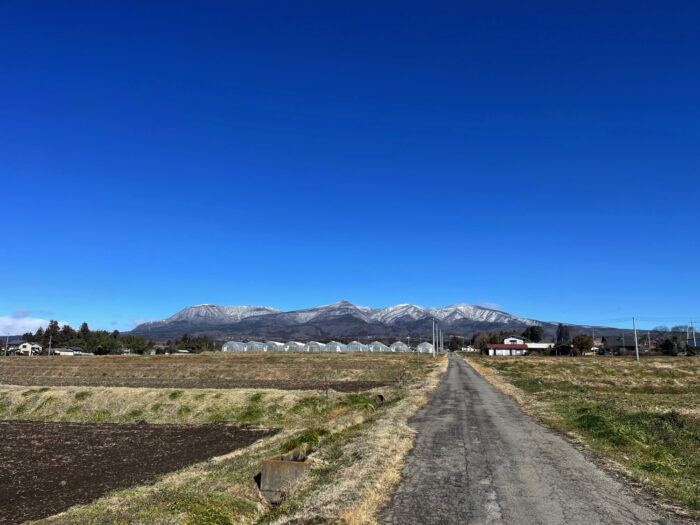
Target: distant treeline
pixel 102 342
pixel 96 341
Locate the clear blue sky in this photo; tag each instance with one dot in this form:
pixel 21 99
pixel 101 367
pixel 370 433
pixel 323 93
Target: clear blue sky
pixel 539 156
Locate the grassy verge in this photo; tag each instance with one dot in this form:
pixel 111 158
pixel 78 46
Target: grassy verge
pixel 267 408
pixel 356 446
pixel 644 416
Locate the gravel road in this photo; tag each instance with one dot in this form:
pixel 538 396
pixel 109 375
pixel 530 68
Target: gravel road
pixel 479 459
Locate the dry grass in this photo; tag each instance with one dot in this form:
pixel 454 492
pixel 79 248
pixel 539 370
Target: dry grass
pixel 360 487
pixel 220 370
pixel 355 462
pixel 642 416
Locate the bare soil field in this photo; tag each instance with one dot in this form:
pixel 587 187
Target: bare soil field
pixel 340 372
pixel 138 455
pixel 48 467
pixel 644 415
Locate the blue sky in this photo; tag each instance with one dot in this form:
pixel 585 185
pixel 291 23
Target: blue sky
pixel 539 156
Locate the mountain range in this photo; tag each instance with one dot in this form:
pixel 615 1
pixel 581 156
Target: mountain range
pixel 338 320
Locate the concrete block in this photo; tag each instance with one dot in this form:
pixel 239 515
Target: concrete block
pixel 281 473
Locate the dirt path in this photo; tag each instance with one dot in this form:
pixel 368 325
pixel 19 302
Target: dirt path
pixel 478 459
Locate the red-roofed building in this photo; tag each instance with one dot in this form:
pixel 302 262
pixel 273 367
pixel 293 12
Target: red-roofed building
pixel 507 349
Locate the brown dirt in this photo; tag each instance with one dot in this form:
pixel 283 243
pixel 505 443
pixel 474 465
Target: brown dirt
pixel 280 371
pixel 49 467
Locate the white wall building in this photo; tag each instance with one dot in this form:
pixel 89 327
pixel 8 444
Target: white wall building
pixel 28 349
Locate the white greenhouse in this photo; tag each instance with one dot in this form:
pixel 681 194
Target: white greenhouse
pixel 233 346
pixel 254 346
pixel 274 346
pixel 425 348
pixel 356 346
pixel 378 347
pixel 335 346
pixel 314 346
pixel 398 346
pixel 295 346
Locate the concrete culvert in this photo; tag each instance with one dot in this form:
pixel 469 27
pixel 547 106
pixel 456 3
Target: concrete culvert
pixel 379 400
pixel 281 473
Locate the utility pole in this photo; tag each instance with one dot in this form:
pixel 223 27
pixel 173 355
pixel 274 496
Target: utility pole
pixel 7 344
pixel 636 345
pixel 694 342
pixel 433 337
pixel 50 340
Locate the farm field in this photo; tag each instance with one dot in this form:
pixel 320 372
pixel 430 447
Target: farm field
pixel 51 466
pixel 644 416
pixel 342 372
pixel 156 442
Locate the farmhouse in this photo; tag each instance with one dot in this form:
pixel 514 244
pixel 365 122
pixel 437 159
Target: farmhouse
pixel 26 349
pixel 507 349
pixel 539 347
pixel 70 351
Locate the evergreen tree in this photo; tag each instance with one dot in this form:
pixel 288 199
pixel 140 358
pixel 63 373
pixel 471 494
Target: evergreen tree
pixel 84 331
pixel 534 333
pixel 563 333
pixel 52 330
pixel 39 336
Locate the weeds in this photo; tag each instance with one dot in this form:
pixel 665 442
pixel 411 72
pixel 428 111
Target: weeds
pixel 642 414
pixel 82 395
pixel 308 439
pixel 175 394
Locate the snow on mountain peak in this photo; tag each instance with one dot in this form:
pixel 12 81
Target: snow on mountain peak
pixel 400 314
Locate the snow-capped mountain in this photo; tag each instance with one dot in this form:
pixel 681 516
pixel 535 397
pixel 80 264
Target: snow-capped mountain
pixel 209 314
pixel 341 319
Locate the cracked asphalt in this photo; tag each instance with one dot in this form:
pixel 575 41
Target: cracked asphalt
pixel 479 459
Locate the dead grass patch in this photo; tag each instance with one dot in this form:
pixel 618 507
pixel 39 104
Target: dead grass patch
pixel 643 417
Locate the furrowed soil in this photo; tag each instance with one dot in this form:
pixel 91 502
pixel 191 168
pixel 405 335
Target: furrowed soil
pixel 340 372
pixel 48 467
pixel 70 419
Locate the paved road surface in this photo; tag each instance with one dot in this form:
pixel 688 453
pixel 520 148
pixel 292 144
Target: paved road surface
pixel 478 459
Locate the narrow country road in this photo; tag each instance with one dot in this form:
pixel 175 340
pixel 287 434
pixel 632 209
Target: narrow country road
pixel 479 459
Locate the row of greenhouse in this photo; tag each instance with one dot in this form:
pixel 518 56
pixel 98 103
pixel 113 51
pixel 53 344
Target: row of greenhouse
pixel 314 346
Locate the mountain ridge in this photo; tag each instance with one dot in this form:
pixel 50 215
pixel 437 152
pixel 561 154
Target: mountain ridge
pixel 340 319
